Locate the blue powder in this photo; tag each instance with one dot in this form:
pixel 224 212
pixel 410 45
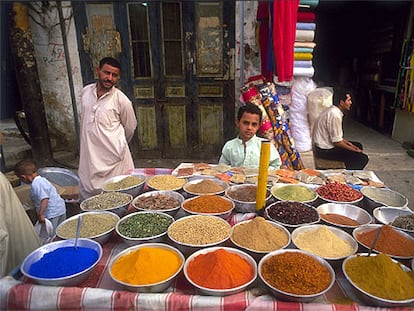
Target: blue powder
pixel 63 261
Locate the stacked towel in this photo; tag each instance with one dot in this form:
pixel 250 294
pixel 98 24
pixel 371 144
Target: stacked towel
pixel 304 43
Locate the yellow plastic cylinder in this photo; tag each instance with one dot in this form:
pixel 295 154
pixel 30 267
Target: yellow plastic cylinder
pixel 263 172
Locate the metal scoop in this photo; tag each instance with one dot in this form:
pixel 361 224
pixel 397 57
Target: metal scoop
pixel 374 241
pixel 78 227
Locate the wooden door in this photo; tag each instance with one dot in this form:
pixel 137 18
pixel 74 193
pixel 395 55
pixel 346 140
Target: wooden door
pixel 178 70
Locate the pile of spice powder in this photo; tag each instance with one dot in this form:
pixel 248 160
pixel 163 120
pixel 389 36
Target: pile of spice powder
pixel 205 186
pixel 165 182
pixel 339 219
pixel 125 183
pixel 323 242
pixel 294 193
pixel 208 204
pixel 296 273
pixel 93 224
pixel 259 235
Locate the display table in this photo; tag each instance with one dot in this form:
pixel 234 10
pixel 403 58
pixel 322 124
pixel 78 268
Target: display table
pixel 99 292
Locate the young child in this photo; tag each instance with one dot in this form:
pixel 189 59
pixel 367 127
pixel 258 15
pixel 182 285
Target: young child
pixel 244 150
pixel 49 204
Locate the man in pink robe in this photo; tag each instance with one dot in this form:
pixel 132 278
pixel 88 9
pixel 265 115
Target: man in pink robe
pixel 108 123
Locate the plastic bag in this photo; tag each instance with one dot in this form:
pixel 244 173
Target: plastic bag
pixel 318 100
pixel 45 231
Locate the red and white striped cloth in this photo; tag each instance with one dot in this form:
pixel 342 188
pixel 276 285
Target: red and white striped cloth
pixel 100 292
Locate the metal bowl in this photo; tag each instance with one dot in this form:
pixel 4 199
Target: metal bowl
pixel 348 210
pixel 338 232
pixel 383 197
pixel 203 226
pixel 370 227
pixel 285 205
pixel 387 215
pixel 298 193
pixel 286 296
pixel 157 195
pixel 337 201
pixel 223 215
pixel 370 298
pixel 147 288
pixel 120 209
pixel 91 220
pixel 70 280
pixel 132 241
pixel 242 206
pixel 221 292
pixel 165 182
pixel 133 190
pixel 257 254
pixel 196 181
pixel 59 176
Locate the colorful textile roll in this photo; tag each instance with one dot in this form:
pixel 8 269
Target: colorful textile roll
pixel 306 16
pixel 311 3
pixel 303 56
pixel 305 26
pixel 302 50
pixel 305 35
pixel 302 64
pixel 305 44
pixel 303 71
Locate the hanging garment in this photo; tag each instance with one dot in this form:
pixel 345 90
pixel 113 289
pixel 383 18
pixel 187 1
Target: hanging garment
pixel 262 17
pixel 284 33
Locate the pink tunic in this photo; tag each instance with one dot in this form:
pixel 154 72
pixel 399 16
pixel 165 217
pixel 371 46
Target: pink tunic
pixel 107 125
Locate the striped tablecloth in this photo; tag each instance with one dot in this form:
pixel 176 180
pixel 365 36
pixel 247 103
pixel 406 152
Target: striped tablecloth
pixel 100 292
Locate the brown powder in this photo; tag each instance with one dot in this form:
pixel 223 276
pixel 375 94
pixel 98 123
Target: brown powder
pixel 205 186
pixel 339 219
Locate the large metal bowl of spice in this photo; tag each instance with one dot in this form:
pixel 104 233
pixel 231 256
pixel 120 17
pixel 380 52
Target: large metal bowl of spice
pixel 191 233
pixel 296 275
pixel 203 186
pixel 343 215
pixel 379 280
pixel 391 241
pixel 396 217
pixel 211 204
pixel 330 243
pixel 165 182
pixel 375 197
pixel 143 227
pixel 147 268
pixel 339 193
pixel 131 184
pixel 220 271
pixel 97 226
pixel 166 201
pixel 259 236
pixel 116 202
pixel 59 263
pixel 291 214
pixel 244 197
pixel 298 193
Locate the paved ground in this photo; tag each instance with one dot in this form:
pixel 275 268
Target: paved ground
pixel 388 159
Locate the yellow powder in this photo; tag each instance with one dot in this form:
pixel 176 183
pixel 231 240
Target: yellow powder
pixel 147 265
pixel 323 242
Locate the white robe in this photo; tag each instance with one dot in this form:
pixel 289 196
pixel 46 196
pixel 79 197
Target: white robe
pixel 17 235
pixel 107 125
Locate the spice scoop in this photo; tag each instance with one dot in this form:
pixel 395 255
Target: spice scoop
pixel 374 241
pixel 78 227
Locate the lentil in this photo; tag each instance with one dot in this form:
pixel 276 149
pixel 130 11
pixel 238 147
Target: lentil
pixel 389 241
pixel 208 204
pixel 125 183
pixel 292 213
pixel 157 202
pixel 294 193
pixel 380 276
pixel 296 273
pixel 323 242
pixel 144 225
pixel 204 187
pixel 93 225
pixel 259 235
pixel 199 230
pixel 165 182
pixel 336 191
pixel 339 219
pixel 404 222
pixel 106 201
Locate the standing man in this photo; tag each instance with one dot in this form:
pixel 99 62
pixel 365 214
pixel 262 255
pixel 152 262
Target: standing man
pixel 107 125
pixel 328 138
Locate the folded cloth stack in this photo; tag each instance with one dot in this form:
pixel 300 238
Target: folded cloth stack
pixel 304 43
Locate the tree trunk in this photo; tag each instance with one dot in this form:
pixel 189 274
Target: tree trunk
pixel 29 86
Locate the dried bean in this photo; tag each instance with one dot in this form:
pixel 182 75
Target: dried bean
pixel 292 213
pixel 338 192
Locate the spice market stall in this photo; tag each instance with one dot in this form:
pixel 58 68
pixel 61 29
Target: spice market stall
pixel 101 292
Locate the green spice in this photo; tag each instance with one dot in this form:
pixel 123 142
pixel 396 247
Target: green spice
pixel 144 225
pixel 294 193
